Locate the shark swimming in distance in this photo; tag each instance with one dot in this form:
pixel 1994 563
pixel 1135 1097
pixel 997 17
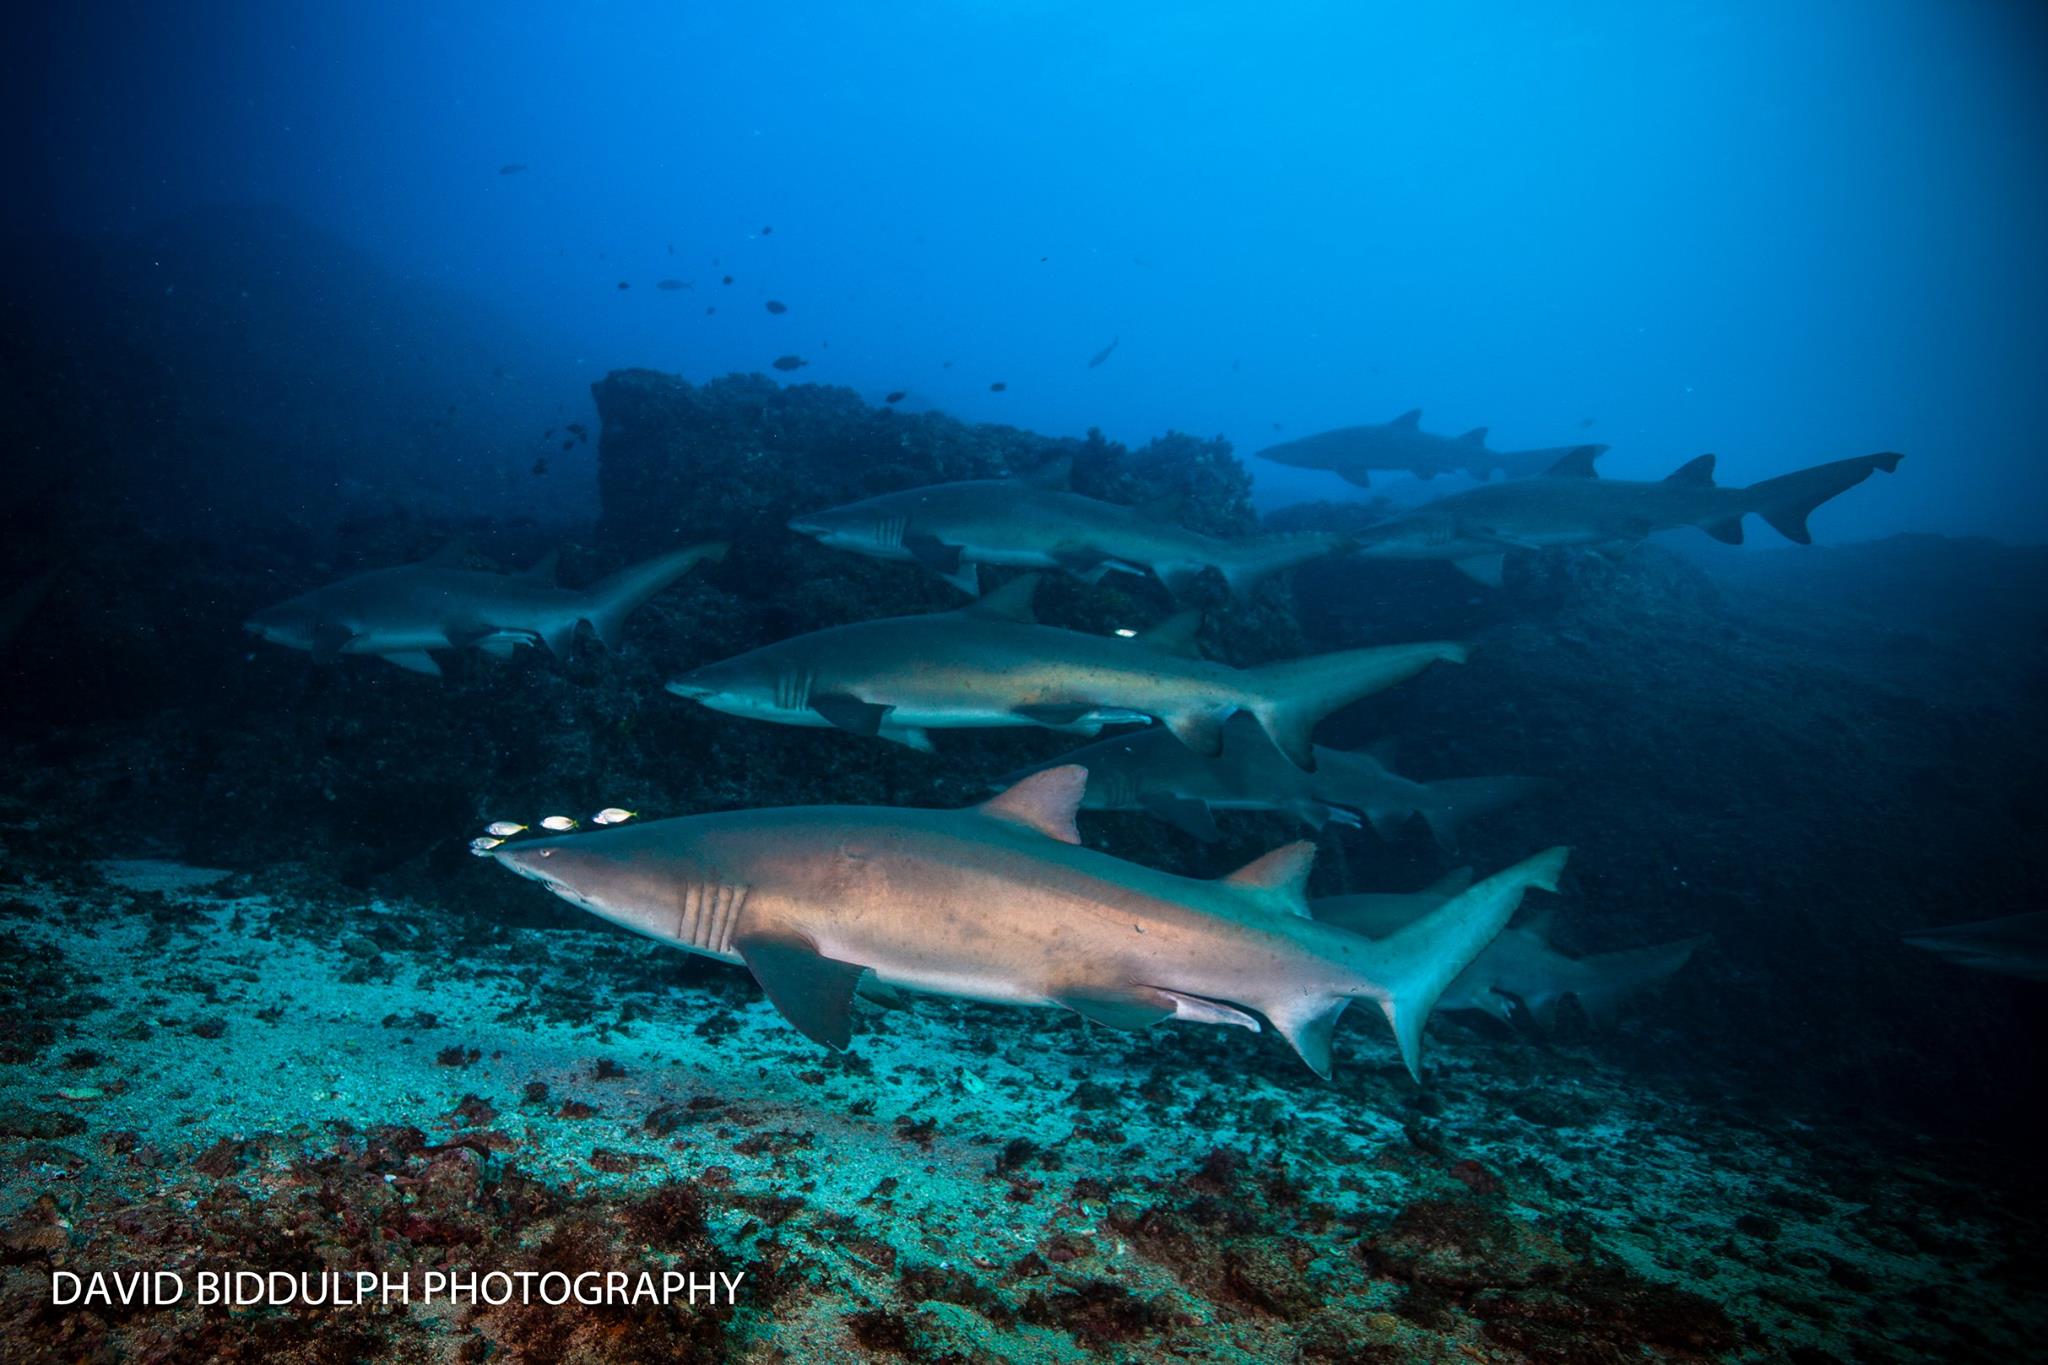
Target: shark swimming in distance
pixel 405 613
pixel 1002 903
pixel 1032 522
pixel 2014 946
pixel 1519 968
pixel 1353 453
pixel 992 664
pixel 1149 770
pixel 1573 505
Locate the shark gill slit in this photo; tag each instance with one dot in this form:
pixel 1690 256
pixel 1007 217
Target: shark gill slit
pixel 793 688
pixel 708 913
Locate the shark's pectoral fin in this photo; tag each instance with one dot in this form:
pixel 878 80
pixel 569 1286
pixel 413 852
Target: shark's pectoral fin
pixel 560 639
pixel 1358 478
pixel 1200 1010
pixel 415 661
pixel 933 553
pixel 850 713
pixel 330 638
pixel 1484 569
pixel 1201 729
pixel 1183 813
pixel 813 992
pixel 909 736
pixel 967 578
pixel 1124 1007
pixel 1728 532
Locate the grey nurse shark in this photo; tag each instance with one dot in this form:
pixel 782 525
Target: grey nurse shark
pixel 1002 903
pixel 1149 770
pixel 1031 522
pixel 404 613
pixel 992 664
pixel 2014 946
pixel 1518 968
pixel 1353 453
pixel 1572 505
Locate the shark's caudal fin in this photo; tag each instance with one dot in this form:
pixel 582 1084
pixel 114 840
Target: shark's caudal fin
pixel 1414 964
pixel 1288 699
pixel 1243 563
pixel 1786 501
pixel 1601 982
pixel 1454 801
pixel 613 599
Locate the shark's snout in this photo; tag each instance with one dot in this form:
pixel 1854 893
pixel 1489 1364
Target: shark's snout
pixel 807 526
pixel 691 686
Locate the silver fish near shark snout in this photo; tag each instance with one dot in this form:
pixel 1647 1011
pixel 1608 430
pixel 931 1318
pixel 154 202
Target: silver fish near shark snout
pixel 406 614
pixel 1001 903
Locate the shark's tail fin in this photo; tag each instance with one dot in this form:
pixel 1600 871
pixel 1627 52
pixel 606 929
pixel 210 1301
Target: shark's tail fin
pixel 613 599
pixel 1601 982
pixel 1244 563
pixel 1288 699
pixel 1786 501
pixel 1412 966
pixel 1454 801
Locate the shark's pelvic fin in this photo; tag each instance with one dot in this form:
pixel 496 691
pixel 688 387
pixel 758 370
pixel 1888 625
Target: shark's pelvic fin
pixel 415 661
pixel 1045 801
pixel 813 992
pixel 1183 813
pixel 934 554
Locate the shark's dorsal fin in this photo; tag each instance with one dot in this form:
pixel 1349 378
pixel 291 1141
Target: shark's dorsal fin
pixel 1474 437
pixel 1045 801
pixel 1011 602
pixel 542 570
pixel 1176 634
pixel 1576 464
pixel 1410 418
pixel 453 554
pixel 1450 884
pixel 1057 472
pixel 1165 507
pixel 1278 880
pixel 1698 471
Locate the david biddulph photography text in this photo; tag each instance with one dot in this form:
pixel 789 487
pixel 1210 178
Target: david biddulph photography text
pixel 348 1288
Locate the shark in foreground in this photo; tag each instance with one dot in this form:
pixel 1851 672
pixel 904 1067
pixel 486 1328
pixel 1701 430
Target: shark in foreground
pixel 402 614
pixel 2014 946
pixel 1149 770
pixel 1033 523
pixel 1001 903
pixel 1519 967
pixel 1352 453
pixel 1573 505
pixel 991 664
